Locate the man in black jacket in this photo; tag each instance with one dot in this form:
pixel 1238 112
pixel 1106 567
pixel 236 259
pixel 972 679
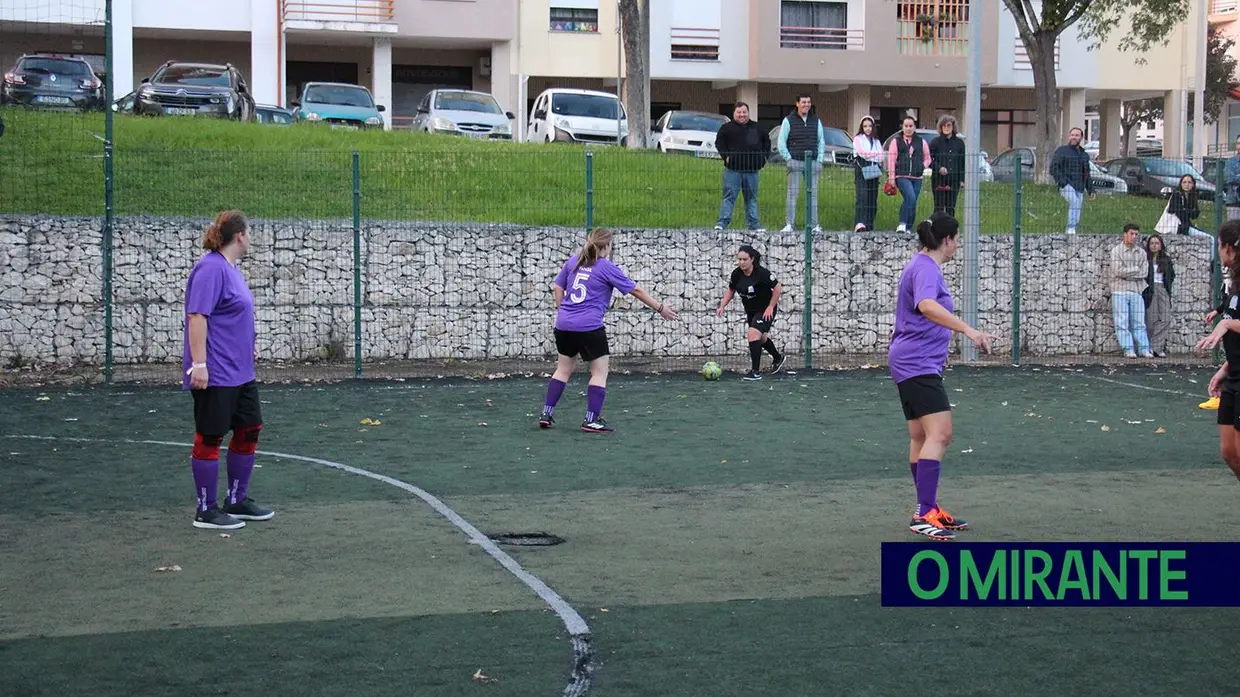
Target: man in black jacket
pixel 744 147
pixel 947 164
pixel 1070 169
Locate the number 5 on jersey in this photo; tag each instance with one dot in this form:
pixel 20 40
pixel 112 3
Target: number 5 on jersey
pixel 579 287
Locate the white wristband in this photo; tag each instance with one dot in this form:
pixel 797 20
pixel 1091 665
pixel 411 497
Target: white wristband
pixel 194 367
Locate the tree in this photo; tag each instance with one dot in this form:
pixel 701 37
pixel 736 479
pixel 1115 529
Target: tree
pixel 1150 23
pixel 635 33
pixel 1220 78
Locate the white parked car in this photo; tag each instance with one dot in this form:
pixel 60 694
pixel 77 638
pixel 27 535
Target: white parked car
pixel 577 116
pixel 463 113
pixel 688 132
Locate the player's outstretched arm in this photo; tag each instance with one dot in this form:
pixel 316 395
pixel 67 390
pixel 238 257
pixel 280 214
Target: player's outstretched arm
pixel 650 302
pixel 938 314
pixel 727 298
pixel 1211 340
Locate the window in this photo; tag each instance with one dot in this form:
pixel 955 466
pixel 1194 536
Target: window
pixel 574 19
pixel 813 24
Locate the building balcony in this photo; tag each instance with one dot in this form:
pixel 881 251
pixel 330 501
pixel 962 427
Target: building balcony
pixel 694 44
pixel 355 16
pixel 822 38
pixel 933 28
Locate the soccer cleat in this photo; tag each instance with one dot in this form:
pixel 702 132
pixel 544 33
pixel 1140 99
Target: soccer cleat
pixel 752 375
pixel 779 364
pixel 946 520
pixel 215 519
pixel 923 526
pixel 1211 403
pixel 246 509
pixel 596 426
pixel 546 421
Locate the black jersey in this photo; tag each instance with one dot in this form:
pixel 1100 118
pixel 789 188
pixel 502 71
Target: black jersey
pixel 1230 309
pixel 755 289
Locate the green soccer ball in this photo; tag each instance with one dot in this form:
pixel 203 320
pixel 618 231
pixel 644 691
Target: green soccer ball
pixel 711 371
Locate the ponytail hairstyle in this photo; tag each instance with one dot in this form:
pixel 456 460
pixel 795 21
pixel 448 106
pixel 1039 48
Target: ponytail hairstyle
pixel 938 227
pixel 224 230
pixel 1229 236
pixel 753 254
pixel 597 241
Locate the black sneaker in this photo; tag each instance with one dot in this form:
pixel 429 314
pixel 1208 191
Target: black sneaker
pixel 248 510
pixel 596 426
pixel 779 364
pixel 546 421
pixel 752 375
pixel 215 519
pixel 922 526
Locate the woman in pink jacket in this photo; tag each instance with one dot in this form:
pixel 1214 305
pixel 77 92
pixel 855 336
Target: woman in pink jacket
pixel 907 157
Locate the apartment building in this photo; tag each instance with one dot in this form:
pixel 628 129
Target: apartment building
pixel 398 48
pixel 1224 16
pixel 886 58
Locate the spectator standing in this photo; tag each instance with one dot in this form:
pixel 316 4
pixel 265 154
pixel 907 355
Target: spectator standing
pixel 1157 294
pixel 801 132
pixel 1070 170
pixel 908 156
pixel 744 147
pixel 1129 269
pixel 868 167
pixel 947 165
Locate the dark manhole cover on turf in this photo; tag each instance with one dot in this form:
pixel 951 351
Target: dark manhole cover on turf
pixel 527 539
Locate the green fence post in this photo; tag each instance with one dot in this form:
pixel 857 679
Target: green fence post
pixel 357 265
pixel 589 191
pixel 807 320
pixel 1017 190
pixel 1216 264
pixel 108 191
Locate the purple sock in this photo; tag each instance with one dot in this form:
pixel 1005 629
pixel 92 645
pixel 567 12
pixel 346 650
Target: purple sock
pixel 555 388
pixel 594 402
pixel 912 466
pixel 927 485
pixel 206 481
pixel 239 469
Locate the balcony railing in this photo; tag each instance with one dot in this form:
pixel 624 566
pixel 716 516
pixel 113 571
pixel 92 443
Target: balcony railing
pixel 694 44
pixel 1224 7
pixel 367 11
pixel 933 27
pixel 1021 56
pixel 829 38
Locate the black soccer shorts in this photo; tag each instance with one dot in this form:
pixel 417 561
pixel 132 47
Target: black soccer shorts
pixel 923 395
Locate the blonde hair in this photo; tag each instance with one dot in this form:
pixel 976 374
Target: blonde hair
pixel 226 226
pixel 596 242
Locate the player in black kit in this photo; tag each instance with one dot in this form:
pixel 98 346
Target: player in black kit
pixel 1226 382
pixel 759 291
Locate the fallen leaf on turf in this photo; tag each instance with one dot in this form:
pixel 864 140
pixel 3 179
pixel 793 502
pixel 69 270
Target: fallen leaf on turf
pixel 371 422
pixel 482 423
pixel 225 535
pixel 723 462
pixel 1161 430
pixel 602 609
pixel 967 450
pixel 1106 427
pixel 1003 404
pixel 485 680
pixel 167 568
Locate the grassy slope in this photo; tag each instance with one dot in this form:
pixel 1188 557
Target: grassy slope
pixel 51 163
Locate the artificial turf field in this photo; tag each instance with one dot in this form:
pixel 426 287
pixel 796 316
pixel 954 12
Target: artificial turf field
pixel 724 541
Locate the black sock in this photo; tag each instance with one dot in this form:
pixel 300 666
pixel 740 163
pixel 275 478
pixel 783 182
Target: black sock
pixel 755 352
pixel 770 348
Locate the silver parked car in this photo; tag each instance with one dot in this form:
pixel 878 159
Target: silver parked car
pixel 463 113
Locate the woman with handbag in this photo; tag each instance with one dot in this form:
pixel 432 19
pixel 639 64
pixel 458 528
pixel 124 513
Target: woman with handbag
pixel 867 159
pixel 1157 294
pixel 1183 204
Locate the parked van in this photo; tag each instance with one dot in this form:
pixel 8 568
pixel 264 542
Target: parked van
pixel 576 116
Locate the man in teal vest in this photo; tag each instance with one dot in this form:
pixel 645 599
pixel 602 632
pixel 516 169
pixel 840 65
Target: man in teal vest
pixel 801 132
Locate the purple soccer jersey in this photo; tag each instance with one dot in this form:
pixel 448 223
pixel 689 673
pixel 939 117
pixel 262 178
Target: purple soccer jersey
pixel 919 346
pixel 587 293
pixel 217 290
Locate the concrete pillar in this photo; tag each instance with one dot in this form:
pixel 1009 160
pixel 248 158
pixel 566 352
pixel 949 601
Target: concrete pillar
pixel 1110 112
pixel 381 78
pixel 122 77
pixel 1174 116
pixel 858 106
pixel 1072 108
pixel 266 61
pixel 747 92
pixel 505 85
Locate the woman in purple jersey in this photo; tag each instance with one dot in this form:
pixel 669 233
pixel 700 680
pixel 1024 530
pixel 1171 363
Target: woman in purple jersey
pixel 583 291
pixel 218 360
pixel 923 331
